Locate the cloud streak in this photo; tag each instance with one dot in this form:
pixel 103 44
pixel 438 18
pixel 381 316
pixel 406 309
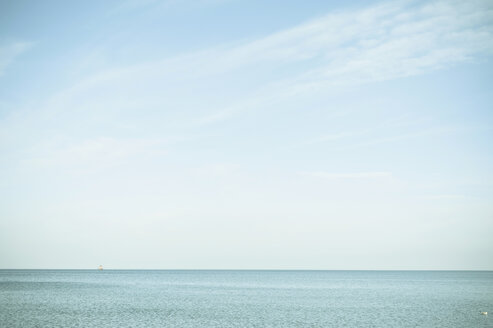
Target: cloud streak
pixel 337 176
pixel 382 42
pixel 8 53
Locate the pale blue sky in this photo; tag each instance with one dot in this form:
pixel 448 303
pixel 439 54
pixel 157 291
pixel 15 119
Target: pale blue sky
pixel 246 134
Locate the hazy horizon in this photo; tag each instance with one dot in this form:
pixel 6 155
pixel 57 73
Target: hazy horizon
pixel 228 134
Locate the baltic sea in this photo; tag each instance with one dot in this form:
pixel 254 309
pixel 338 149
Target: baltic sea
pixel 182 298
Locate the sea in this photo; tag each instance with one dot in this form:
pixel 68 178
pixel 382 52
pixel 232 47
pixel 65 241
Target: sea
pixel 224 298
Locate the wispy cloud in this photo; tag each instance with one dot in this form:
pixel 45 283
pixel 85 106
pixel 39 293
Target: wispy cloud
pixel 360 138
pixel 9 52
pixel 93 154
pixel 132 5
pixel 382 42
pixel 405 136
pixel 446 197
pixel 396 40
pixel 358 175
pixel 371 134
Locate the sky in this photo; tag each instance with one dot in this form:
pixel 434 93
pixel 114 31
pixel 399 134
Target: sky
pixel 228 134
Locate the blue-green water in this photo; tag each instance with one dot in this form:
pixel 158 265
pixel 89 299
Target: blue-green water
pixel 82 298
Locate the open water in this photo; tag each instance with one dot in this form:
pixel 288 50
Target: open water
pixel 176 298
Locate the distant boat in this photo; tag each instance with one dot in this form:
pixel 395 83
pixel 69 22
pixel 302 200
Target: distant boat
pixel 100 267
pixel 483 313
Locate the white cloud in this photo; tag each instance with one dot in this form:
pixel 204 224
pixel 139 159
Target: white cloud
pixel 8 53
pixel 389 41
pixel 382 42
pixel 355 135
pixel 359 175
pixel 407 136
pixel 157 5
pixel 446 197
pixel 92 154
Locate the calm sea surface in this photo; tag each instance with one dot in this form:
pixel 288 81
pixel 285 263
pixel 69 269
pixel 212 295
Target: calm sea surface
pixel 82 298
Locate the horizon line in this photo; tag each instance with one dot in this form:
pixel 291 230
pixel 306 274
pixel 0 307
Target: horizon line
pixel 115 269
